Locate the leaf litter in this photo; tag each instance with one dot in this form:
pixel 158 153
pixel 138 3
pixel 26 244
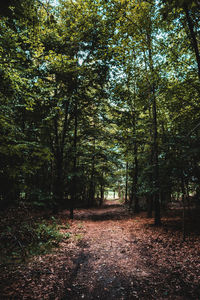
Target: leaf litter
pixel 110 254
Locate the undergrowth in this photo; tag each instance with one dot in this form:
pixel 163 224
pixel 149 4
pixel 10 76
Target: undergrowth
pixel 21 239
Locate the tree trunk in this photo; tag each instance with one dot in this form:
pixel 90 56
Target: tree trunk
pixel 183 203
pixel 157 218
pixel 156 167
pixel 193 37
pixel 126 185
pixel 58 175
pixel 91 199
pixel 119 192
pixel 59 179
pixel 102 195
pixel 150 195
pixel 136 200
pixel 149 206
pixel 58 150
pixel 74 179
pixel 188 198
pixel 131 197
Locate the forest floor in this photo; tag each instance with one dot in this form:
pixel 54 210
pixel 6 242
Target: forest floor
pixel 111 254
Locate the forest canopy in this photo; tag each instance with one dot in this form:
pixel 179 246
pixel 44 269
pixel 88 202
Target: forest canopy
pixel 99 95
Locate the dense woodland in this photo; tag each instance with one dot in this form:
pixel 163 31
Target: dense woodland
pixel 99 99
pixel 98 95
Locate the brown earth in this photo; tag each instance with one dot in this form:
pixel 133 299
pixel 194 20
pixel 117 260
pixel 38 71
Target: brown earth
pixel 111 255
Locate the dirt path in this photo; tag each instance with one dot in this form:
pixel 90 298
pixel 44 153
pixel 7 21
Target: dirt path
pixel 120 259
pixel 112 255
pixel 110 263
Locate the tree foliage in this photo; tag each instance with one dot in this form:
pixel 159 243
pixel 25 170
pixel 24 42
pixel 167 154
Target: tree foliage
pixel 99 94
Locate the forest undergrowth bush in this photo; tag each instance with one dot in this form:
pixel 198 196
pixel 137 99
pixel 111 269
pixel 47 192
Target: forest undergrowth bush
pixel 24 235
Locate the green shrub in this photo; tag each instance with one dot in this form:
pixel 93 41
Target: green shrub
pixel 21 240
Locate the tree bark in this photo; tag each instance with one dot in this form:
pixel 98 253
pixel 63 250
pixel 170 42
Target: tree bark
pixel 102 195
pixel 91 199
pixel 157 217
pixel 58 175
pixel 74 180
pixel 58 150
pixel 183 203
pixel 126 184
pixel 149 206
pixel 156 167
pixel 193 36
pixel 136 200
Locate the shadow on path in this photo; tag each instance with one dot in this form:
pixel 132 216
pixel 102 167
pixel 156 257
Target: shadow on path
pixel 111 210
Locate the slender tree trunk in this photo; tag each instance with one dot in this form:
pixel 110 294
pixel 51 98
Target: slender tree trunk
pixel 58 175
pixel 134 196
pixel 135 150
pixel 188 198
pixel 183 203
pixel 126 184
pixel 119 192
pixel 51 178
pixel 194 41
pixel 131 197
pixel 157 218
pixel 74 180
pixel 59 179
pixel 156 167
pixel 150 197
pixel 91 199
pixel 58 150
pixel 102 195
pixel 136 200
pixel 149 206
